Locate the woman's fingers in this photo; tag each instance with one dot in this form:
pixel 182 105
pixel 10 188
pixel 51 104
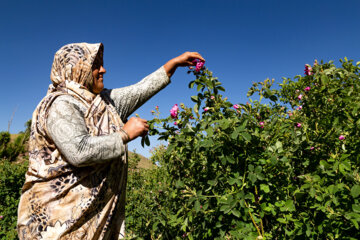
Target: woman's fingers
pixel 196 55
pixel 136 127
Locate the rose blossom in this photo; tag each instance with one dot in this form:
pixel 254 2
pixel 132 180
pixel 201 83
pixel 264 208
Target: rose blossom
pixel 300 107
pixel 212 97
pixel 341 137
pixel 261 124
pixel 236 106
pixel 307 89
pixel 312 148
pixel 206 109
pixel 300 96
pixel 298 125
pixel 199 64
pixel 174 111
pixel 308 70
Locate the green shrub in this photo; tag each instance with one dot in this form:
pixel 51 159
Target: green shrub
pixel 146 206
pixel 12 177
pixel 284 169
pixel 11 150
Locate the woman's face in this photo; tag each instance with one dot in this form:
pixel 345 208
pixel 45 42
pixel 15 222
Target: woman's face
pixel 98 72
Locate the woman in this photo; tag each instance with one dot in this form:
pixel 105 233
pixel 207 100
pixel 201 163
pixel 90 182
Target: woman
pixel 76 181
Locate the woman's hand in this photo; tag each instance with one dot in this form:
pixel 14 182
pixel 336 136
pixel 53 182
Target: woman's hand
pixel 183 60
pixel 136 127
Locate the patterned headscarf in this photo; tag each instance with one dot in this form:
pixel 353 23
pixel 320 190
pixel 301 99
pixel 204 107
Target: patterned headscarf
pixel 73 62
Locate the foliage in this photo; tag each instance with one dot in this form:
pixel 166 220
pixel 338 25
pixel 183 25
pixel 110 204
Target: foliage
pixel 11 150
pixel 284 169
pixel 134 160
pixel 145 197
pixel 12 177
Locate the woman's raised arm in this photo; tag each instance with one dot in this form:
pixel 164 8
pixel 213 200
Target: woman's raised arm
pixel 130 98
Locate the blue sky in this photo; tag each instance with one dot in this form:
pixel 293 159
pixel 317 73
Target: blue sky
pixel 242 42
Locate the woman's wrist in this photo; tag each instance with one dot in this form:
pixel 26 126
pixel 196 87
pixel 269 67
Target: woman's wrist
pixel 170 67
pixel 125 136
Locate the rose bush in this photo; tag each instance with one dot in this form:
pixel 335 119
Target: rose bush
pixel 266 169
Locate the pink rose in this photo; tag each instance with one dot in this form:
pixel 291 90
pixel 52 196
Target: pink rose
pixel 212 97
pixel 300 96
pixel 261 123
pixel 341 137
pixel 300 107
pixel 174 111
pixel 312 148
pixel 307 89
pixel 206 109
pixel 308 70
pixel 175 123
pixel 199 64
pixel 1 217
pixel 298 125
pixel 236 106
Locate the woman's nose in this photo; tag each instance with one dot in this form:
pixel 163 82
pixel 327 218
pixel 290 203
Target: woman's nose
pixel 102 70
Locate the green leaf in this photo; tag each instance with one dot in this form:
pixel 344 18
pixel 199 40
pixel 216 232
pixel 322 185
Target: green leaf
pixel 355 191
pixel 197 206
pixel 265 188
pixel 147 140
pixel 142 142
pixel 356 208
pixel 212 182
pixel 191 84
pixel 246 136
pixel 324 79
pixel 273 98
pixel 195 98
pixel 281 220
pixel 235 135
pixel 220 88
pixel 235 212
pixel 355 223
pixel 225 208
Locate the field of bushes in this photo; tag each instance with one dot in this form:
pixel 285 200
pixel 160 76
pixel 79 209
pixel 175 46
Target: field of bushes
pixel 284 165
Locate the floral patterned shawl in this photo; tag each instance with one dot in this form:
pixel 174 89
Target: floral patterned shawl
pixel 59 200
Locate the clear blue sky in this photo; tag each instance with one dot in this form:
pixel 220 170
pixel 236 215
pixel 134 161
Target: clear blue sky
pixel 242 42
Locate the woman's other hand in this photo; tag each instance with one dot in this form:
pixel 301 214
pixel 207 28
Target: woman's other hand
pixel 136 127
pixel 185 59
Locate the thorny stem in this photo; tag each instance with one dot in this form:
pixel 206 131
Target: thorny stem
pixel 256 226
